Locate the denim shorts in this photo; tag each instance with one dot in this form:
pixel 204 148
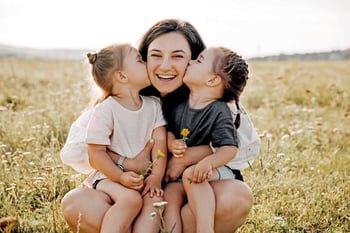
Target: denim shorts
pixel 226 172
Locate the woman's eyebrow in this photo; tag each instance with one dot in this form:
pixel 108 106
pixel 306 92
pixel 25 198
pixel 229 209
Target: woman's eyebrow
pixel 179 51
pixel 154 50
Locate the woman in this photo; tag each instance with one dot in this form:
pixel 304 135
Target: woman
pixel 167 47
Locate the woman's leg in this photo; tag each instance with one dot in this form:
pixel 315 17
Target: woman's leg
pixel 144 222
pixel 234 201
pixel 84 209
pixel 174 194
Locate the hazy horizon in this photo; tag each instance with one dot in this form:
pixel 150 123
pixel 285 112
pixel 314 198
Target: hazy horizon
pixel 252 27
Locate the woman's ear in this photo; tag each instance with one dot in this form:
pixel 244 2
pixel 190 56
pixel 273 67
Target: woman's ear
pixel 214 80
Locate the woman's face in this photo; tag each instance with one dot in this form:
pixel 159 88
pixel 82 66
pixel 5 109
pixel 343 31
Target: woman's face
pixel 167 59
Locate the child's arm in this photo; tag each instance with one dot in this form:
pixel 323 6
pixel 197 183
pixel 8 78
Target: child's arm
pixel 203 169
pixel 154 180
pixel 100 160
pixel 176 166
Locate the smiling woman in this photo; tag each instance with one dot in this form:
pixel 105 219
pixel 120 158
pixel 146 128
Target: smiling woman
pixel 161 62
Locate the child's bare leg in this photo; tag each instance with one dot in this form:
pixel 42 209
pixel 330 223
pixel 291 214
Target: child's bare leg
pixel 144 222
pixel 174 194
pixel 127 204
pixel 201 199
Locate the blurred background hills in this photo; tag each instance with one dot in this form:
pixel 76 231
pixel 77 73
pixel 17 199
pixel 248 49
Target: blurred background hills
pixel 78 54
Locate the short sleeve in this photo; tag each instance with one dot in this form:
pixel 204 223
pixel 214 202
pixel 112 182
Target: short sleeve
pixel 100 126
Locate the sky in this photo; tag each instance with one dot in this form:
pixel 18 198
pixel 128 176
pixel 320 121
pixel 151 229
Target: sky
pixel 250 27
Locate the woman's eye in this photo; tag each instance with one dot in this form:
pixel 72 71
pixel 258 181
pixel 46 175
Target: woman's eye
pixel 154 55
pixel 179 56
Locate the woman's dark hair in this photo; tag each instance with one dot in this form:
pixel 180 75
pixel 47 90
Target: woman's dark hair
pixel 172 25
pixel 196 45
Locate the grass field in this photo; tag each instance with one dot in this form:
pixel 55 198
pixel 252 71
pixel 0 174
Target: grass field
pixel 301 179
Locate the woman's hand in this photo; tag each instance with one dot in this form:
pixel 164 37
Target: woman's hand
pixel 141 161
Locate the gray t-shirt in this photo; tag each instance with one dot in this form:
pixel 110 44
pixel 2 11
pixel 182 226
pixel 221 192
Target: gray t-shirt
pixel 213 123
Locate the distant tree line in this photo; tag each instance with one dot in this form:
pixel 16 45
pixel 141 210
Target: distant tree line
pixel 10 51
pixel 332 55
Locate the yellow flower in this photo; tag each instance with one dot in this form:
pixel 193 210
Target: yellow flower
pixel 148 171
pixel 160 154
pixel 185 132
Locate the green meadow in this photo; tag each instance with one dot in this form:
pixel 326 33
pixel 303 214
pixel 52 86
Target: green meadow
pixel 300 181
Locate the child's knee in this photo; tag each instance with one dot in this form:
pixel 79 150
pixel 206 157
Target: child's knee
pixel 131 198
pixel 187 174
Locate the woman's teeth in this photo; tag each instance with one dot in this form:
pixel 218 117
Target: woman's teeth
pixel 166 76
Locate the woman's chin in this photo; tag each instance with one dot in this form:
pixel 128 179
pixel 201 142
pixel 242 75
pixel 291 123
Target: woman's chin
pixel 166 86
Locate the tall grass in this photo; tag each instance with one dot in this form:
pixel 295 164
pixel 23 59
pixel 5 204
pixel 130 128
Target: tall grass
pixel 300 181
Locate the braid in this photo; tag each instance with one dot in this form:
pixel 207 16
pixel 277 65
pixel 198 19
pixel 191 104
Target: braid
pixel 238 117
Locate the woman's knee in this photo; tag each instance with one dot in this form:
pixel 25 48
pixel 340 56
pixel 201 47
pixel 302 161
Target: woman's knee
pixel 235 196
pixel 84 208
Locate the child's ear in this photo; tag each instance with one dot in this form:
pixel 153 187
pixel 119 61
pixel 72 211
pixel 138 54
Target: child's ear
pixel 214 80
pixel 120 77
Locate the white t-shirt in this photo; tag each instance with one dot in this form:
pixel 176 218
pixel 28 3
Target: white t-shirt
pixel 124 131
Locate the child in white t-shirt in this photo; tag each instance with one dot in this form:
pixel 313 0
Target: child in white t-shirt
pixel 123 122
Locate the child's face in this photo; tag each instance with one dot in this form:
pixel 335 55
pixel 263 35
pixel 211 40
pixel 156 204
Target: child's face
pixel 198 71
pixel 135 69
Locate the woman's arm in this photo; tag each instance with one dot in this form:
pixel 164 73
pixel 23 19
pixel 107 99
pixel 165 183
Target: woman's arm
pixel 136 164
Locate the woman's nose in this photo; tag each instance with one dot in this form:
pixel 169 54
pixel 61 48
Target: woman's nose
pixel 166 64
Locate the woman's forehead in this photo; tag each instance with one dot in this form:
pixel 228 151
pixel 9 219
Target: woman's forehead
pixel 173 41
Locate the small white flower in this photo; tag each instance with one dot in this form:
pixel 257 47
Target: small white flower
pixel 159 204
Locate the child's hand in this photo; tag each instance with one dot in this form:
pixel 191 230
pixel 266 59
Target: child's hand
pixel 202 171
pixel 132 180
pixel 178 148
pixel 153 186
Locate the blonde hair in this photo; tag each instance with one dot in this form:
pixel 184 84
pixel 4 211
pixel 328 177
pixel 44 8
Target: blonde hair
pixel 104 63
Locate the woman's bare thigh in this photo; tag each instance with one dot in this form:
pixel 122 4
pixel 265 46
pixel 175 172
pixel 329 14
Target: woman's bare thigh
pixel 84 208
